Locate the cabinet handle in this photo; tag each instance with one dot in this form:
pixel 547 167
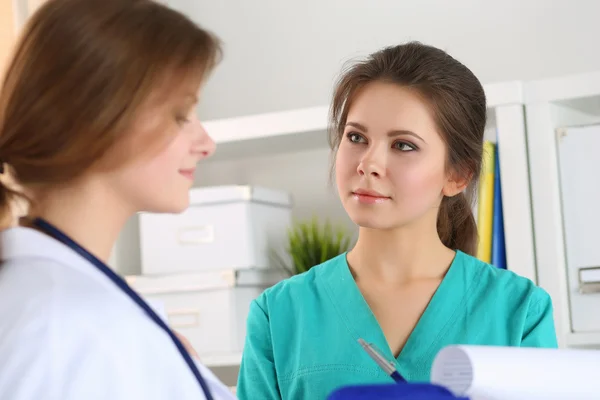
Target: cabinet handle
pixel 589 280
pixel 587 288
pixel 183 318
pixel 196 235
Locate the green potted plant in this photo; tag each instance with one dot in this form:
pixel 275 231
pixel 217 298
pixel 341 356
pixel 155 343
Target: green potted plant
pixel 310 243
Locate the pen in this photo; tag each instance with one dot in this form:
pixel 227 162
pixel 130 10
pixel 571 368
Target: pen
pixel 387 366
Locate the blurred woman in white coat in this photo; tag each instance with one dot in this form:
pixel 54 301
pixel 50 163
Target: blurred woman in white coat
pixel 97 122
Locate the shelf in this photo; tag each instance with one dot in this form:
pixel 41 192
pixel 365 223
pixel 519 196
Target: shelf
pixel 563 89
pixel 270 133
pixel 222 360
pixel 305 128
pixel 584 340
pixel 503 94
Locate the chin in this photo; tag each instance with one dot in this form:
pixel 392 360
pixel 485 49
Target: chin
pixel 372 217
pixel 373 223
pixel 370 220
pixel 169 206
pixel 177 208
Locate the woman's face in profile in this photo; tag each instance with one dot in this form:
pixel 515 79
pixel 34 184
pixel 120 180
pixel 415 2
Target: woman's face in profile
pixel 167 143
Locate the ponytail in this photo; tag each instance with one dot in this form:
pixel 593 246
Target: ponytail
pixel 11 201
pixel 456 224
pixel 6 215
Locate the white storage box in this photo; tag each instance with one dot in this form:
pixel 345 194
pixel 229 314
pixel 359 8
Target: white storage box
pixel 225 227
pixel 209 309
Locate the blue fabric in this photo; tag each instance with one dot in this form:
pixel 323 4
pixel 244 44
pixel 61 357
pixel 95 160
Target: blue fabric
pixel 411 391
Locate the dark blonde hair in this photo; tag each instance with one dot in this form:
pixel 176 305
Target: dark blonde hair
pixel 80 73
pixel 457 100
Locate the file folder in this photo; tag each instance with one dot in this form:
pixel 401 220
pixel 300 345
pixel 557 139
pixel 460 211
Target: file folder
pixel 394 391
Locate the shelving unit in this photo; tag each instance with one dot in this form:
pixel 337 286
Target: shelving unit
pixel 551 104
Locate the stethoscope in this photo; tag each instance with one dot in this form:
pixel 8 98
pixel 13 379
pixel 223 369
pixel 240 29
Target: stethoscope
pixel 54 232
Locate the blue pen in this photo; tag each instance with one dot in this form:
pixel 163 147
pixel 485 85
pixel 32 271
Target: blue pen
pixel 386 365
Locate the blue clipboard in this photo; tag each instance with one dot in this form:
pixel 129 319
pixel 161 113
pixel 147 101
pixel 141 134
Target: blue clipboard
pixel 394 391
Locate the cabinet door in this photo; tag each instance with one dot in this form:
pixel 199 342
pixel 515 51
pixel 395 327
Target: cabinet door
pixel 580 194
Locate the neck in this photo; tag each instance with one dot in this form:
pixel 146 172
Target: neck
pixel 401 255
pixel 90 214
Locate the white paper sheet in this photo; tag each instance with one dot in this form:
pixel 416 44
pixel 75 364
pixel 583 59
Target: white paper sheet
pixel 517 373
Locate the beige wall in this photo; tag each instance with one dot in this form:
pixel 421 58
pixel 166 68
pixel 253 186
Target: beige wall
pixel 10 18
pixel 13 14
pixel 7 31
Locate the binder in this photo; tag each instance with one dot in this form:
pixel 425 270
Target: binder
pixel 498 246
pixel 485 213
pixel 394 391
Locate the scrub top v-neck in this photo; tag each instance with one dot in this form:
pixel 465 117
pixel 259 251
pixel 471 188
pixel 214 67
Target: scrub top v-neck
pixel 301 339
pixel 431 326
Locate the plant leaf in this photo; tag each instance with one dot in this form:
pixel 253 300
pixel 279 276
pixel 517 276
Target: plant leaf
pixel 312 242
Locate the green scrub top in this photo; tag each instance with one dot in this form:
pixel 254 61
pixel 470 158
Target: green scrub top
pixel 302 334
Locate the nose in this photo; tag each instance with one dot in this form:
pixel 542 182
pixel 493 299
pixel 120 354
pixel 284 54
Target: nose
pixel 205 146
pixel 372 164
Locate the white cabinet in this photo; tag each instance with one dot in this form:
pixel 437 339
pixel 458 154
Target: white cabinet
pixel 579 167
pixel 551 106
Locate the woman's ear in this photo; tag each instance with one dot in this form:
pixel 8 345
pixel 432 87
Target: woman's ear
pixel 456 184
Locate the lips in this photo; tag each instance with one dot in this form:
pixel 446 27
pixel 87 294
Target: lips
pixel 368 192
pixel 366 196
pixel 188 173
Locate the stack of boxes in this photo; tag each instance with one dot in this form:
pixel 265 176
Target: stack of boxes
pixel 203 267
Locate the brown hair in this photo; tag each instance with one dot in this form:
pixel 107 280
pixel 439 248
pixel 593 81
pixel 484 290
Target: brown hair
pixel 79 76
pixel 458 102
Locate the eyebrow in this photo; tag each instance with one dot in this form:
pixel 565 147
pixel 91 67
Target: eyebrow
pixel 392 133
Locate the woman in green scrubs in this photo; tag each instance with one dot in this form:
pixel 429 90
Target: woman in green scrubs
pixel 407 135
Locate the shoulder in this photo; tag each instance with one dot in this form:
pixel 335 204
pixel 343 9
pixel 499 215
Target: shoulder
pixel 50 326
pixel 57 300
pixel 497 283
pixel 298 288
pixel 304 283
pixel 54 306
pixel 42 330
pixel 39 291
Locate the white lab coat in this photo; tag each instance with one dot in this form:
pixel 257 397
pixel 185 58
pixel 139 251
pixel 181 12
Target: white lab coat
pixel 67 332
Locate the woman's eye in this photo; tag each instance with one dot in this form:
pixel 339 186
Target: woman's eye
pixel 182 120
pixel 355 137
pixel 403 146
